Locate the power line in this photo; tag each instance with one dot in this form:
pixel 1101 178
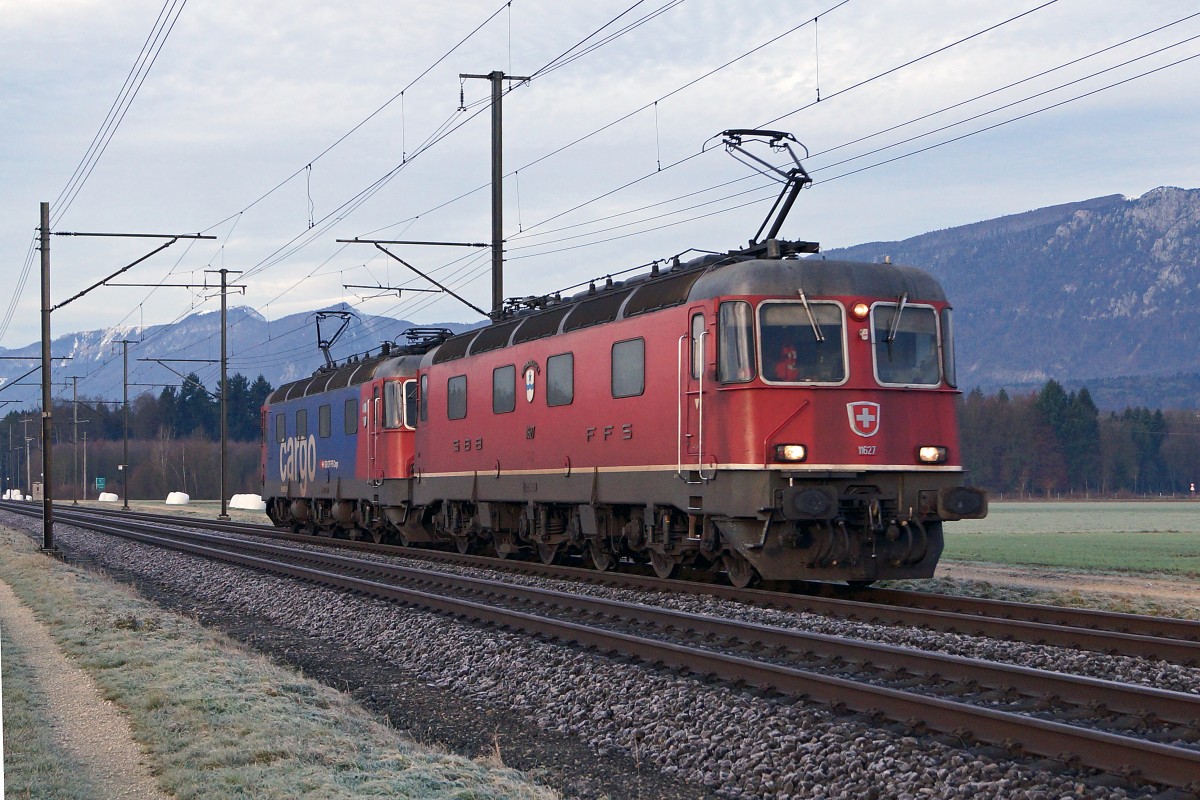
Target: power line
pixel 162 28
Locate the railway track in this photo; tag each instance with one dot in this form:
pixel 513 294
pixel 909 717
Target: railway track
pixel 1118 728
pixel 1162 638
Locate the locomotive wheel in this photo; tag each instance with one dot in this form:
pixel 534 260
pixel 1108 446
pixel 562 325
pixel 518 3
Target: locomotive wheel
pixel 665 566
pixel 550 553
pixel 502 545
pixel 601 558
pixel 741 573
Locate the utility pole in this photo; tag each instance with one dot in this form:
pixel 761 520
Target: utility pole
pixel 75 439
pixel 224 397
pixel 497 78
pixel 125 404
pixel 47 308
pixel 76 482
pixel 47 443
pixel 28 473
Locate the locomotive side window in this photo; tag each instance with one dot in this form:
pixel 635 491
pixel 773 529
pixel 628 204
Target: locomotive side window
pixel 802 342
pixel 281 427
pixel 629 368
pixel 456 397
pixel 504 389
pixel 905 344
pixel 393 404
pixel 948 367
pixel 735 333
pixel 697 349
pixel 560 379
pixel 324 421
pixel 410 404
pixel 350 417
pixel 424 398
pixel 302 423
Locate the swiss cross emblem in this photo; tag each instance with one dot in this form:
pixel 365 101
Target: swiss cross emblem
pixel 530 378
pixel 864 417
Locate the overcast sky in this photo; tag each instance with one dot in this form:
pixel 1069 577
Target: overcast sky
pixel 231 127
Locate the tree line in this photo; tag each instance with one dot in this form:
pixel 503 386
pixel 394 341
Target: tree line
pixel 173 442
pixel 1047 443
pixel 1053 442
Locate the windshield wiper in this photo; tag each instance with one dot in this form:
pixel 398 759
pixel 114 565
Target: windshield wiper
pixel 811 319
pixel 894 327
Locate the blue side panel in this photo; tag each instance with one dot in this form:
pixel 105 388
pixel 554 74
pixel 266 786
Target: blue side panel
pixel 304 458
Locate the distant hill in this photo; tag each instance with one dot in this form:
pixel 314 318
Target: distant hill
pixel 281 350
pixel 1103 293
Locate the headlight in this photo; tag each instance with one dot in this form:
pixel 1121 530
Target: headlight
pixel 931 455
pixel 790 452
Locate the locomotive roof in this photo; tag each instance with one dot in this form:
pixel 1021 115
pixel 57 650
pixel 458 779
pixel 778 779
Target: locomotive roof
pixel 385 365
pixel 817 276
pixel 701 279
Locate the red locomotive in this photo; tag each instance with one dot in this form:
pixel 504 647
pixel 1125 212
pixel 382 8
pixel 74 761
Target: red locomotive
pixel 766 413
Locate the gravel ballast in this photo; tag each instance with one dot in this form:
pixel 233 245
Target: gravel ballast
pixel 591 725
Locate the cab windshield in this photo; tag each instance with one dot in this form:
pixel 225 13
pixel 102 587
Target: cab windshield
pixel 399 404
pixel 802 342
pixel 906 344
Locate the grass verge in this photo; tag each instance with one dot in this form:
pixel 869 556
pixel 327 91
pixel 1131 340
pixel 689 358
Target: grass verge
pixel 217 720
pixel 34 764
pixel 1164 552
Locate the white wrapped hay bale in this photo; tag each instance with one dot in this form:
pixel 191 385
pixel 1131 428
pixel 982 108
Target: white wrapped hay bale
pixel 178 499
pixel 108 497
pixel 248 502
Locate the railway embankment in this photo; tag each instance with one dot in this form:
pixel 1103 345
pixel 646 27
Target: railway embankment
pixel 594 725
pixel 109 695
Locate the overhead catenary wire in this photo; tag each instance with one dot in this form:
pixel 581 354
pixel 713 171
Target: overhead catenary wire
pixel 153 45
pixel 861 83
pixel 298 241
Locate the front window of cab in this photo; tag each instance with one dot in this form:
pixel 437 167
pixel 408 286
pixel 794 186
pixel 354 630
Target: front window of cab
pixel 802 342
pixel 735 353
pixel 399 404
pixel 905 346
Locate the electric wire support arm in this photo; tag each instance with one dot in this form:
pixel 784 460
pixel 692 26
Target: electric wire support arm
pixel 793 179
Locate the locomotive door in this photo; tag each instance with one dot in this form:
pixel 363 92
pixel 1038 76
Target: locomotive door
pixel 374 424
pixel 693 354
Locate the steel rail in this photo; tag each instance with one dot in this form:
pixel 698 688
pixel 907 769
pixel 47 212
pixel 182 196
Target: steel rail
pixel 1167 627
pixel 1088 633
pixel 1134 699
pixel 1108 752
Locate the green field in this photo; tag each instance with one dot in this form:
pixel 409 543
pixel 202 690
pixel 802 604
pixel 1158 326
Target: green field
pixel 1140 537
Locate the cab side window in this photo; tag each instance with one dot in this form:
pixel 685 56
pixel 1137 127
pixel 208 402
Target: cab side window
pixel 560 379
pixel 456 397
pixel 504 389
pixel 629 368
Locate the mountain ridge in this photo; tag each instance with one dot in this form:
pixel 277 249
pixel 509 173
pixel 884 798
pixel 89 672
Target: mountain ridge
pixel 1100 288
